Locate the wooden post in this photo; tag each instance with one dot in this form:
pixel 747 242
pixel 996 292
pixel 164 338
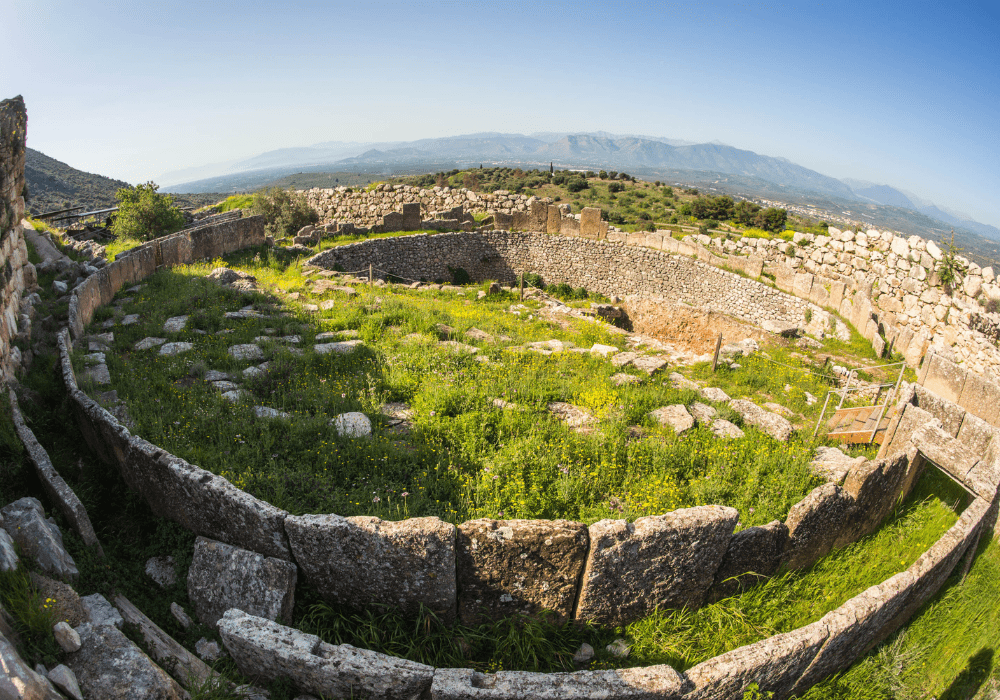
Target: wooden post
pixel 371 280
pixel 522 286
pixel 718 346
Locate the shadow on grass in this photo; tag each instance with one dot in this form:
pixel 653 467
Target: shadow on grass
pixel 971 679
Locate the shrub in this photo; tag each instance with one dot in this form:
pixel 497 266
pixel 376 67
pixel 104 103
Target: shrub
pixel 284 211
pixel 615 187
pixel 459 276
pixel 577 185
pixel 145 214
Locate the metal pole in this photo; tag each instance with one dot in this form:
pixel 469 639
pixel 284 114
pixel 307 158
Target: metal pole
pixel 718 346
pixel 821 414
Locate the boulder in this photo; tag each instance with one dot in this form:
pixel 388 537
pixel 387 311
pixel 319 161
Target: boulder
pixel 66 636
pixel 8 556
pixel 175 324
pixel 703 413
pixel 650 364
pixel 175 348
pixel 508 567
pixel 771 423
pixel 65 680
pixel 267 651
pixel 222 577
pixel 675 416
pixel 111 667
pixel 17 680
pixel 39 539
pixel 782 328
pixel 660 561
pixel 353 425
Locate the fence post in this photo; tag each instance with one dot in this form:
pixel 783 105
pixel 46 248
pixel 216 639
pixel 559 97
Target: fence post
pixel 371 280
pixel 522 286
pixel 715 358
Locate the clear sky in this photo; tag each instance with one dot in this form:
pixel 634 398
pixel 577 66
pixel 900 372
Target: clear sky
pixel 901 93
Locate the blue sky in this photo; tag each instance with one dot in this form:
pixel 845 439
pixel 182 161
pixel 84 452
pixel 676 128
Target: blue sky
pixel 906 94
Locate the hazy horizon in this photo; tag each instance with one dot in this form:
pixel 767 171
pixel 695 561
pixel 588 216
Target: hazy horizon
pixel 900 96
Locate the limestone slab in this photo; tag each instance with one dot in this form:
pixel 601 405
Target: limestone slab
pixel 650 683
pixel 753 555
pixel 774 425
pixel 815 523
pixel 39 540
pixel 111 667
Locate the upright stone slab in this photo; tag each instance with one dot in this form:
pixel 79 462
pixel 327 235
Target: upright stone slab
pixel 569 226
pixel 753 555
pixel 981 397
pixel 590 223
pixel 950 414
pixel 502 222
pixel 508 567
pixel 363 561
pixel 222 577
pixel 875 486
pixel 24 520
pixel 538 217
pixel 815 523
pixel 554 217
pixel 665 561
pixel 411 217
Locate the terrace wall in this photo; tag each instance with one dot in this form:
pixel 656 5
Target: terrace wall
pixel 420 561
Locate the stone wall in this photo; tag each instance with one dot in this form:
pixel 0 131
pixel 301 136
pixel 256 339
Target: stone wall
pixel 16 273
pixel 610 268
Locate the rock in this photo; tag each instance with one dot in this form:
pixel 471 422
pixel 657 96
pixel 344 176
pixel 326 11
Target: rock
pixel 354 425
pixel 679 381
pixel 621 379
pixel 399 416
pixel 650 364
pixel 227 277
pixel 518 567
pixel 810 399
pixel 675 416
pixel 183 619
pixel 100 612
pixel 341 348
pixel 63 601
pixel 161 570
pixel 778 408
pixel 815 523
pixel 714 394
pixel 65 680
pixel 147 343
pixel 660 681
pixel 660 561
pixel 573 416
pixel 583 655
pixel 603 350
pixel 624 358
pixel 38 539
pixel 222 577
pixel 175 348
pixel 66 636
pixel 481 336
pixel 251 372
pixel 771 423
pixel 98 374
pixel 209 651
pixel 17 680
pixel 459 347
pixel 832 464
pixel 620 649
pixel 59 287
pixel 110 667
pixel 175 324
pixel 724 429
pixel 234 396
pixel 214 375
pixel 782 328
pixel 364 561
pixel 265 412
pixel 268 651
pixel 753 555
pixel 247 351
pixel 8 556
pixel 703 413
pixel 130 319
pixel 225 387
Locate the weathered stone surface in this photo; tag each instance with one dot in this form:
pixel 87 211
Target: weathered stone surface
pixel 341 348
pixel 247 351
pixel 147 343
pixel 175 348
pixel 100 612
pixel 815 523
pixel 675 416
pixel 573 416
pixel 975 434
pixel 64 602
pixel 354 425
pixel 774 425
pixel 622 379
pixel 703 413
pixel 950 414
pixel 268 651
pixel 910 420
pixel 832 464
pixel 267 412
pixel 222 577
pixel 183 619
pixel 663 561
pixel 162 571
pixel 875 486
pixel 944 378
pixel 724 429
pixel 981 398
pixel 65 680
pixel 208 651
pixel 175 324
pixel 66 636
pixel 508 567
pixel 40 540
pixel 8 556
pixel 714 394
pixel 753 555
pixel 364 561
pixel 943 450
pixel 110 667
pixel 650 683
pixel 18 681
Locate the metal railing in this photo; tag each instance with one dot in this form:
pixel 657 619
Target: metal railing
pixel 878 388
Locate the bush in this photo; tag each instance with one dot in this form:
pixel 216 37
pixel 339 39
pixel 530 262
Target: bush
pixel 144 214
pixel 459 276
pixel 284 211
pixel 577 185
pixel 615 187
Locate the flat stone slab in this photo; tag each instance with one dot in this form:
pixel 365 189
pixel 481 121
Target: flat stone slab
pixel 621 379
pixel 247 351
pixel 716 394
pixel 774 425
pixel 38 539
pixel 832 464
pixel 660 681
pixel 290 339
pixel 815 523
pixel 214 375
pixel 147 343
pixel 679 381
pixel 573 416
pixel 130 319
pixel 265 412
pixel 244 313
pixel 660 561
pixel 675 416
pixel 251 372
pixel 603 350
pixel 624 358
pixel 225 386
pixel 268 651
pixel 223 577
pixel 98 374
pixel 650 364
pixel 175 348
pixel 175 324
pixel 508 567
pixel 724 429
pixel 363 561
pixel 111 667
pixel 340 348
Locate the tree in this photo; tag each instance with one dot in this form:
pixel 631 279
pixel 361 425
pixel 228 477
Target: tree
pixel 772 219
pixel 284 211
pixel 745 213
pixel 145 214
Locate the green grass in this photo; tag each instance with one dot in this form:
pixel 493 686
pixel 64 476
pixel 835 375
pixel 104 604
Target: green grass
pixel 31 616
pixel 466 458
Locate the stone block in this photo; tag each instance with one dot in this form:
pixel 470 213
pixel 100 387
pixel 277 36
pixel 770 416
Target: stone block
pixel 508 567
pixel 660 682
pixel 660 561
pixel 975 434
pixel 590 222
pixel 363 561
pixel 945 378
pixel 911 419
pixel 980 397
pixel 569 226
pixel 802 285
pixel 502 222
pixel 222 577
pixel 753 555
pixel 38 539
pixel 950 414
pixel 837 291
pixel 944 450
pixel 815 523
pixel 553 222
pixel 411 217
pixel 18 680
pixel 265 650
pixel 819 294
pixel 874 486
pixel 538 217
pixel 520 220
pixel 774 425
pixel 111 667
